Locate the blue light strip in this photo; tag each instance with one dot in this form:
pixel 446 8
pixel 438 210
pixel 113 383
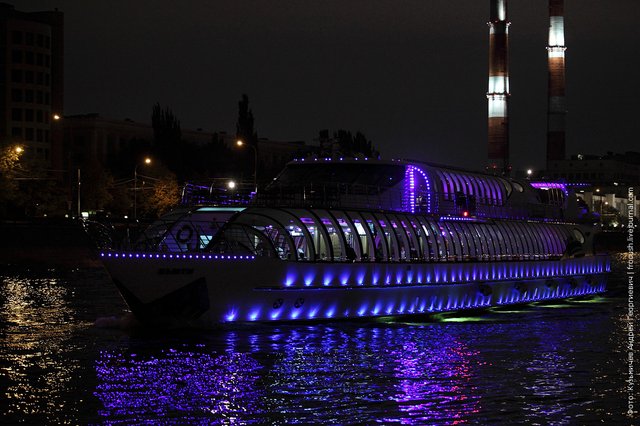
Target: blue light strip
pixel 411 304
pixel 396 274
pixel 130 255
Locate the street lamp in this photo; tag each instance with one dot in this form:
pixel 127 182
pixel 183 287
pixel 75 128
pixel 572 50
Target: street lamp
pixel 147 161
pixel 241 143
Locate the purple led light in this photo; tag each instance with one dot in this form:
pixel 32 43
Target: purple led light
pixel 410 189
pixel 549 185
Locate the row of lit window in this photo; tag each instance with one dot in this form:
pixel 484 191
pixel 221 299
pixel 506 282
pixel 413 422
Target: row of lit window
pixel 30 134
pixel 30 96
pixel 367 236
pixel 30 115
pixel 31 39
pixel 30 58
pixel 30 77
pixel 578 175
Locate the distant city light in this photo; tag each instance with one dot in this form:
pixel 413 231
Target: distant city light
pixel 231 184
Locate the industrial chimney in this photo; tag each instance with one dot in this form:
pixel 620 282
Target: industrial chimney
pixel 498 93
pixel 556 93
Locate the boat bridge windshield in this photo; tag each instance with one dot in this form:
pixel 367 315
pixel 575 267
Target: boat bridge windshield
pixel 318 235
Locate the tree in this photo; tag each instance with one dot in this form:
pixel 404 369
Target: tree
pixel 96 182
pixel 345 144
pixel 167 136
pixel 245 127
pixel 9 158
pixel 165 195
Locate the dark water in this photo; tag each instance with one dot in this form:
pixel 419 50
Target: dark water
pixel 561 363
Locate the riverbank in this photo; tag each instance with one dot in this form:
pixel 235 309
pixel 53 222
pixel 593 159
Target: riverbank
pixel 46 243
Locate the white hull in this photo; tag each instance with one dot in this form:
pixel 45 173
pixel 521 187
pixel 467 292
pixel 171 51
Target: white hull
pixel 206 290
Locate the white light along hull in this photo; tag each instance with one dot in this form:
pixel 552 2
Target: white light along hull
pixel 206 290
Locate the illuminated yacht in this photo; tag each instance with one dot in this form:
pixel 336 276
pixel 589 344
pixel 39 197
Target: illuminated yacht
pixel 353 238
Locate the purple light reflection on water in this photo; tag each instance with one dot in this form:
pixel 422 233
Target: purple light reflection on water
pixel 545 364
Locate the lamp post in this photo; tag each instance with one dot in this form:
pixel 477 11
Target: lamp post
pixel 241 143
pixel 147 161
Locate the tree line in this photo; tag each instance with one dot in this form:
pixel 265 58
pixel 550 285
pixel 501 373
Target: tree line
pixel 27 188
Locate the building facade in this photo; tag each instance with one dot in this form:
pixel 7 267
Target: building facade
pixel 598 170
pixel 31 81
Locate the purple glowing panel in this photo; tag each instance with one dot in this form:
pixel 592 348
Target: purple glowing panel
pixel 411 189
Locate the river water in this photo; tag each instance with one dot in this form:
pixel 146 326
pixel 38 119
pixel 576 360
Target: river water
pixel 67 356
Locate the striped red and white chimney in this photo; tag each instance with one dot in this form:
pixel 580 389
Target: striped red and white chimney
pixel 557 109
pixel 498 93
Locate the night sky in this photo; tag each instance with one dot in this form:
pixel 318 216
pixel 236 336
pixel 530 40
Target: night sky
pixel 410 75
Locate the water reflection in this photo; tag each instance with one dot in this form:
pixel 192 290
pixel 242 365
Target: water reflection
pixel 314 374
pixel 35 322
pixel 177 383
pixel 534 364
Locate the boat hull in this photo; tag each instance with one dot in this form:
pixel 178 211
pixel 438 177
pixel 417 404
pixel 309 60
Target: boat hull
pixel 207 291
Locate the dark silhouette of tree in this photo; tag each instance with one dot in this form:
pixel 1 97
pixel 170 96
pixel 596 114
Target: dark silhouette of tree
pixel 167 138
pixel 245 125
pixel 96 182
pixel 345 144
pixel 246 132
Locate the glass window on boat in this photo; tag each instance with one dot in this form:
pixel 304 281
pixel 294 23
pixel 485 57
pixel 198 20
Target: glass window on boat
pixel 320 240
pixel 554 239
pixel 428 240
pixel 439 235
pixel 505 251
pixel 379 242
pixel 536 250
pixel 515 238
pixel 404 248
pixel 390 237
pixel 488 250
pixel 353 249
pixel 276 232
pixel 243 239
pixel 459 240
pixel 522 238
pixel 415 238
pixel 452 244
pixel 336 237
pixel 364 236
pixel 468 242
pixel 565 237
pixel 475 246
pixel 552 236
pixel 545 249
pixel 303 242
pixel 549 240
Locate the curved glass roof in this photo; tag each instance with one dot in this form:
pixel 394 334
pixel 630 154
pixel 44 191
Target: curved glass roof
pixel 339 235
